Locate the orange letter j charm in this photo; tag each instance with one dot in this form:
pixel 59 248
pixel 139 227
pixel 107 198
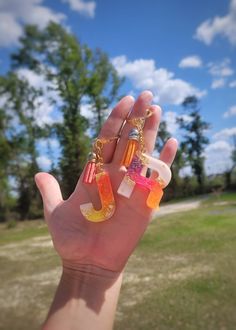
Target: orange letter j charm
pixel 107 200
pixel 94 172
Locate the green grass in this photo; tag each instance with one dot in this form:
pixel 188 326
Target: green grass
pixel 186 264
pixel 181 276
pixel 22 231
pixel 222 197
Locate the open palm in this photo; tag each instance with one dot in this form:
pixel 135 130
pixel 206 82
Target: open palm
pixel 106 244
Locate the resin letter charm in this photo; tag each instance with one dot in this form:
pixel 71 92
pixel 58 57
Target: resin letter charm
pixel 106 197
pixel 133 177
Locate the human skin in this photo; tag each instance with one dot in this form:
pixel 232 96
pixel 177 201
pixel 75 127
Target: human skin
pixel 94 254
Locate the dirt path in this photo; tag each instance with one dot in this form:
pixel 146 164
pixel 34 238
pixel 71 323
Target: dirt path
pixel 178 207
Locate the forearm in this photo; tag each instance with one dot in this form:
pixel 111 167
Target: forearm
pixel 85 299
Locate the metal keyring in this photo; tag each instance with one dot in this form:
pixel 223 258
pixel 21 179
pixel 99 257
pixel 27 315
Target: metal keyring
pixel 149 113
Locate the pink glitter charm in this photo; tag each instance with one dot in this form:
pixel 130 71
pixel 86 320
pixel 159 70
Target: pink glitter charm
pixel 133 177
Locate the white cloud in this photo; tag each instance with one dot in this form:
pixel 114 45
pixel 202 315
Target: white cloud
pixel 224 26
pixel 85 8
pixel 218 157
pixel 33 78
pixel 41 16
pixel 170 118
pixel 231 112
pixel 3 100
pixel 218 146
pixel 39 82
pixel 44 162
pixel 49 153
pixel 232 84
pixel 221 69
pixel 144 75
pixel 185 171
pixel 86 110
pixel 193 61
pixel 10 29
pixel 44 109
pixel 218 154
pixel 225 133
pixel 13 14
pixel 218 83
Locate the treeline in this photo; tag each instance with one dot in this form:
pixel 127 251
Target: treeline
pixel 191 154
pixel 72 75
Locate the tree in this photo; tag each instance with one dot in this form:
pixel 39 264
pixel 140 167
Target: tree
pixel 233 155
pixel 228 173
pixel 163 136
pixel 194 139
pixel 18 139
pixel 74 73
pixel 5 152
pixel 103 87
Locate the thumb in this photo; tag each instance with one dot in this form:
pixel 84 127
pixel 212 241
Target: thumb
pixel 50 191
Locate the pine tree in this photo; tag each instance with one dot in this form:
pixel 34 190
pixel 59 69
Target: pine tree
pixel 194 139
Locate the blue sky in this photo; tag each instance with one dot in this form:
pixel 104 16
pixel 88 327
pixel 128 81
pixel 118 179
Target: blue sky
pixel 174 48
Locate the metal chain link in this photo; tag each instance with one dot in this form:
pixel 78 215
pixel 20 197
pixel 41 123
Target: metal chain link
pixel 100 142
pixel 98 148
pixel 139 124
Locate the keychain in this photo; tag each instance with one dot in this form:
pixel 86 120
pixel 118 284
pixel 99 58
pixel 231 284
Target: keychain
pixel 135 138
pixel 94 172
pixel 133 177
pixel 135 158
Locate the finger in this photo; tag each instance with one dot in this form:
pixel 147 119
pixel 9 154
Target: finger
pixel 111 127
pixel 169 151
pixel 139 110
pixel 49 190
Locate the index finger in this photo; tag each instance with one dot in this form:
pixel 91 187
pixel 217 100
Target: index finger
pixel 113 124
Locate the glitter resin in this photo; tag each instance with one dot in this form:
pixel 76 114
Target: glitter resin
pixel 133 177
pixel 157 165
pixel 107 200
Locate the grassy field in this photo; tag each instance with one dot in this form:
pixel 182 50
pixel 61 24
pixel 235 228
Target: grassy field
pixel 182 275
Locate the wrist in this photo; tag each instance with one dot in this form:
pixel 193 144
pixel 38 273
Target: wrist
pixel 88 294
pixel 90 283
pixel 79 270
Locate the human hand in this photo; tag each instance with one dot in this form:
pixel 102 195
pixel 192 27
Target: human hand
pixel 106 245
